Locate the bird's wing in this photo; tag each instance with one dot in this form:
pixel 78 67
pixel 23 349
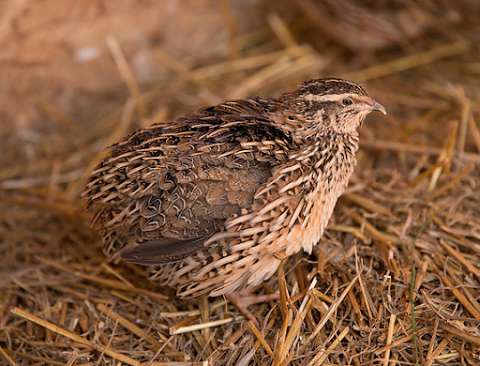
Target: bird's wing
pixel 162 250
pixel 170 185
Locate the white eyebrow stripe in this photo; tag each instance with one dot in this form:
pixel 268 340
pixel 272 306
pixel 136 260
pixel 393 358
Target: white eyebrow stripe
pixel 329 97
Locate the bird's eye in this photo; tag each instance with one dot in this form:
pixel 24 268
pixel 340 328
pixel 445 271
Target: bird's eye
pixel 347 101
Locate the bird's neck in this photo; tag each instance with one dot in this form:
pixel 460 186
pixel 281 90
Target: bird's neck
pixel 328 148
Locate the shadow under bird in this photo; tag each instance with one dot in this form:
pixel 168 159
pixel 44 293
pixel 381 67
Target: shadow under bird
pixel 213 201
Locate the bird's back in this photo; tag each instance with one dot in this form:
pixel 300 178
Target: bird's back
pixel 166 189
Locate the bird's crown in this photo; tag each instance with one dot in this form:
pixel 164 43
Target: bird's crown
pixel 331 86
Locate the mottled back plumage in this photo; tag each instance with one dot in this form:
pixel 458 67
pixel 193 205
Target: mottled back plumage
pixel 215 200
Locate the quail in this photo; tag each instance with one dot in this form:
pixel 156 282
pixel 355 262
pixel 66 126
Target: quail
pixel 213 201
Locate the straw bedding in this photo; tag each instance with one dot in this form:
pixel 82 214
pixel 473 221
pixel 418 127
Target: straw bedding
pixel 395 280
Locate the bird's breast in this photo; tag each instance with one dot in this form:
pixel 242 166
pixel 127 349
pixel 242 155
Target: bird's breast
pixel 322 201
pixel 306 234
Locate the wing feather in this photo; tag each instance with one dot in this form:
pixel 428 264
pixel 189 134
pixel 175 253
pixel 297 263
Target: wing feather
pixel 164 190
pixel 163 250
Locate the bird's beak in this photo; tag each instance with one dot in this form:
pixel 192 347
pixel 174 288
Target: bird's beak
pixel 375 106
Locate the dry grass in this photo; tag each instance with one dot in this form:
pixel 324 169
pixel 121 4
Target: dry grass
pixel 395 280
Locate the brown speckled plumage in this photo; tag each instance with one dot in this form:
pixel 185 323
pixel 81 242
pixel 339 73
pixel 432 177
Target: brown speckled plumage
pixel 213 201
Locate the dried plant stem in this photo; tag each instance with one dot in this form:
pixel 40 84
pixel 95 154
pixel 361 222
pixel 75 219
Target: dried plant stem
pixel 459 333
pixel 391 328
pixel 415 149
pixel 409 62
pixel 110 283
pixel 330 311
pixel 126 73
pixel 214 323
pixel 74 337
pixel 7 358
pixel 260 338
pixel 321 357
pixel 460 297
pixel 130 326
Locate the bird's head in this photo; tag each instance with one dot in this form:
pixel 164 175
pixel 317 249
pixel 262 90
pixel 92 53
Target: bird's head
pixel 333 104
